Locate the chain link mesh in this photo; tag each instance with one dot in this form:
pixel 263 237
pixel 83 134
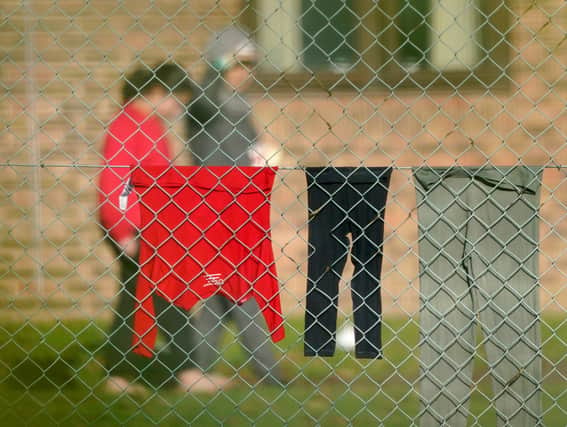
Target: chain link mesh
pixel 463 101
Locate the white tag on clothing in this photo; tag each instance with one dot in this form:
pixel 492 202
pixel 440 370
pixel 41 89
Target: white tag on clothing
pixel 123 198
pixel 123 202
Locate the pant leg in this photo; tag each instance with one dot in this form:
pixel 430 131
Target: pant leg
pixel 255 339
pixel 328 249
pixel 447 317
pixel 209 325
pixel 504 242
pixel 367 205
pixel 177 332
pixel 118 355
pixel 119 359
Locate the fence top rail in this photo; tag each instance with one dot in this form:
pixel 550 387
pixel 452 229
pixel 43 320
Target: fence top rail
pixel 290 168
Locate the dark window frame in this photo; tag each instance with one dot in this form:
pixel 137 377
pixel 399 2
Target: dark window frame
pixel 376 38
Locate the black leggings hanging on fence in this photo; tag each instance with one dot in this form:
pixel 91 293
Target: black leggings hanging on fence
pixel 341 201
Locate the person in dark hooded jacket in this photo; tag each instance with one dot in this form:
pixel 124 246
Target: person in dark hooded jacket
pixel 222 133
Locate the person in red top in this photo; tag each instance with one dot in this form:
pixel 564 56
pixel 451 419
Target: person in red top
pixel 137 136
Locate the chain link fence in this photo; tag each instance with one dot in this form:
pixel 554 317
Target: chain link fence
pixel 417 145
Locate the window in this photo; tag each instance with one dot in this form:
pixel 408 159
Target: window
pixel 395 43
pixel 328 36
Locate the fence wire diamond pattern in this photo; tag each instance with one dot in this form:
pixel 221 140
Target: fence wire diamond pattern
pixel 385 180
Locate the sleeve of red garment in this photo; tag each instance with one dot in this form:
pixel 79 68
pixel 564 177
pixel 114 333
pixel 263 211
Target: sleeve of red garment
pixel 270 307
pixel 266 289
pixel 118 150
pixel 145 327
pixel 268 299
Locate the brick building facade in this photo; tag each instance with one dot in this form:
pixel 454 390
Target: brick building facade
pixel 61 72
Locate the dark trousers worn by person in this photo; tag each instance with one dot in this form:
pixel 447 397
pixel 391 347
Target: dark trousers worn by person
pixel 170 359
pixel 342 201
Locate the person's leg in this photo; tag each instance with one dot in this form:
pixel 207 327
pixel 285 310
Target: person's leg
pixel 367 202
pixel 121 363
pixel 119 360
pixel 256 340
pixel 209 324
pixel 328 249
pixel 505 268
pixel 173 353
pixel 447 318
pixel 173 363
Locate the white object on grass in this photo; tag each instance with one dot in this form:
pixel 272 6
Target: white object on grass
pixel 345 337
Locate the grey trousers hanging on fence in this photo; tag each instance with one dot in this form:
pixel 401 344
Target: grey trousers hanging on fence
pixel 478 251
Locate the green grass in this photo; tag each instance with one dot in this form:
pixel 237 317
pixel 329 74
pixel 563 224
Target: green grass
pixel 50 374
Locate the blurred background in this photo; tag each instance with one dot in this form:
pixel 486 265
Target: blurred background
pixel 338 82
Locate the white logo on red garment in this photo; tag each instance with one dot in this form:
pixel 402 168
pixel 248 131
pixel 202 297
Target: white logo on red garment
pixel 214 279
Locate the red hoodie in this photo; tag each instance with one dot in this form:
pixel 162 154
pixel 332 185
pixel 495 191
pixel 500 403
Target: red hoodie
pixel 205 231
pixel 133 139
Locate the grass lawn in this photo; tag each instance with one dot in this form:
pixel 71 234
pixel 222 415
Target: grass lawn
pixel 50 374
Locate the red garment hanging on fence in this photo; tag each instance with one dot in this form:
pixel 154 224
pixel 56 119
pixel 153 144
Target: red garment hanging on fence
pixel 205 230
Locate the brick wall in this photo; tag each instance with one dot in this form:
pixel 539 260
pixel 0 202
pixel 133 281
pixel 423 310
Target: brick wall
pixel 62 67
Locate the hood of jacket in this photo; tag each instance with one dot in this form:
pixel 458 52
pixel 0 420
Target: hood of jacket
pixel 228 46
